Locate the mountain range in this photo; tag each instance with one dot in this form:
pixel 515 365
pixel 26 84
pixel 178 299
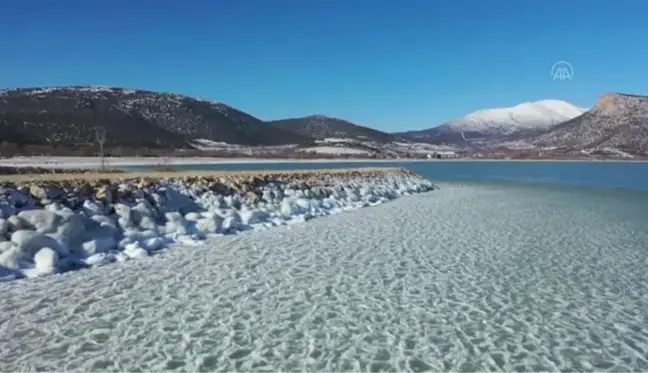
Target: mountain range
pixel 62 116
pixel 616 124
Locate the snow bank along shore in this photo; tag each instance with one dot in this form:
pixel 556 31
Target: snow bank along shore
pixel 53 223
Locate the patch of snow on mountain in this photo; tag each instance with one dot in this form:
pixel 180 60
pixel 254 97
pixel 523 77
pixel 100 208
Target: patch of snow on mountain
pixel 94 88
pixel 334 150
pixel 213 144
pixel 91 89
pixel 613 151
pixel 517 145
pixel 525 116
pixel 421 148
pixel 209 145
pixel 335 140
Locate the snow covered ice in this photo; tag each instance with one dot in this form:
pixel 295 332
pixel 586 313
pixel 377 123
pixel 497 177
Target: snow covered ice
pixel 45 230
pixel 435 281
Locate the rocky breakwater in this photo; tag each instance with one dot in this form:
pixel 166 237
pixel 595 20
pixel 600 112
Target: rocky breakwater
pixel 56 224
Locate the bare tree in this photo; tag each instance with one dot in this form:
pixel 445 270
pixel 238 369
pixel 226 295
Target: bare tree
pixel 4 148
pixel 101 136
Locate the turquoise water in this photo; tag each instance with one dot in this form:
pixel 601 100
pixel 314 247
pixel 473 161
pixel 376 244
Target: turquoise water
pixel 628 175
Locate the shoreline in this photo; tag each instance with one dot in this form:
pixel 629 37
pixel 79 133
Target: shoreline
pixel 53 223
pixel 95 162
pixel 188 174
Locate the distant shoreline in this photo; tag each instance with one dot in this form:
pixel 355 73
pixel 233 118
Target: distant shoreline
pixel 95 162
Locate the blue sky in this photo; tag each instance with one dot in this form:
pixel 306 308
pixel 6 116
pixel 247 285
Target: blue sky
pixel 392 65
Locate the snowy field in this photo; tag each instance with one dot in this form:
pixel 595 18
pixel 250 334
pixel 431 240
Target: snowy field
pixel 465 278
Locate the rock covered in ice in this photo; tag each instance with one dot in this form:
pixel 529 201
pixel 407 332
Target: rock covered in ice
pixel 4 228
pixel 44 221
pixel 209 224
pixel 15 223
pixel 29 242
pixel 135 252
pixel 55 226
pixel 46 260
pixel 99 245
pixel 6 246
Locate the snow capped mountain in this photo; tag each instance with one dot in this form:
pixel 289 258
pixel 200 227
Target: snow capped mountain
pixel 496 123
pixel 525 116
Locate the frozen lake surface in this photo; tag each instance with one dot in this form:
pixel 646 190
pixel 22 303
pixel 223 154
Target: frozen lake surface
pixel 471 277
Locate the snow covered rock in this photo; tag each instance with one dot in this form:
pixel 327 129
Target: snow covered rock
pixel 45 192
pixel 15 223
pixel 137 235
pixel 30 242
pixel 4 228
pixel 153 243
pixel 12 259
pixel 135 252
pixel 193 216
pixel 253 216
pixel 6 246
pixel 46 260
pixel 93 208
pixel 99 245
pixel 122 210
pixel 176 223
pixel 96 224
pixel 43 221
pixel 287 208
pixel 143 210
pixel 147 223
pixel 209 225
pixel 71 226
pixel 103 220
pixel 125 222
pixel 232 221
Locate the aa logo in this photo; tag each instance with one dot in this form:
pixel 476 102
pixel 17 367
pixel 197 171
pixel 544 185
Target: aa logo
pixel 562 70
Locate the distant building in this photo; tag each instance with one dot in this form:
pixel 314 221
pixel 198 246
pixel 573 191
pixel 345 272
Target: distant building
pixel 445 154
